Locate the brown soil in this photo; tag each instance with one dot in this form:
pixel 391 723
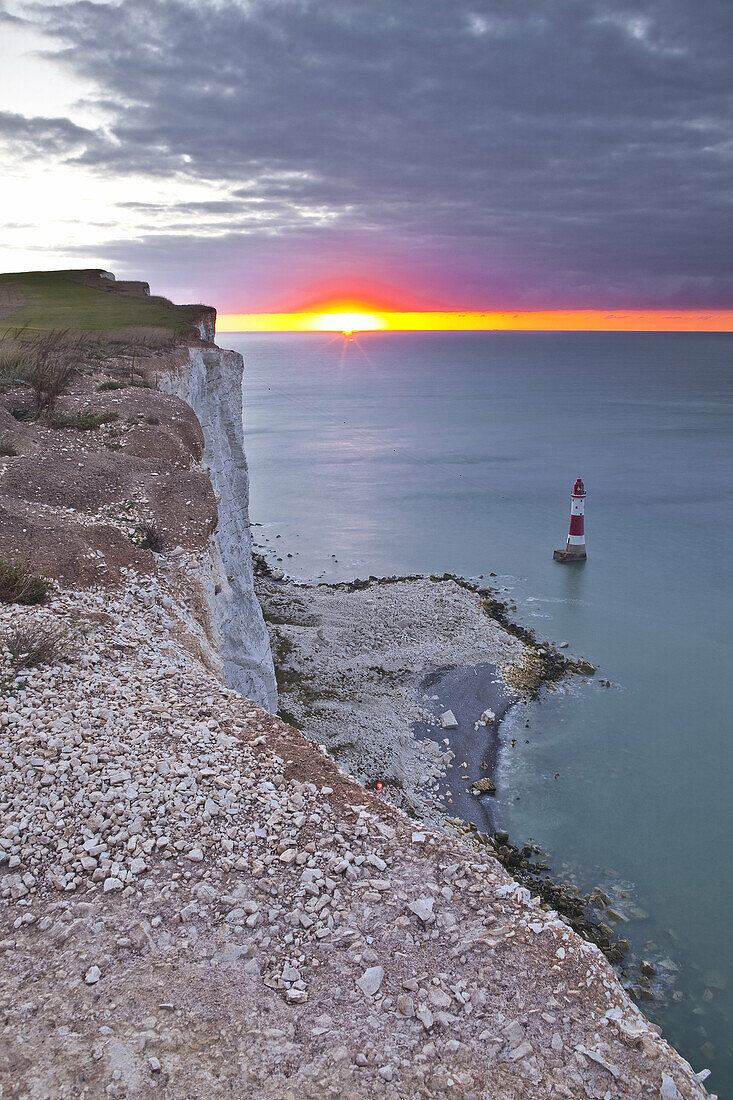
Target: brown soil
pixel 61 494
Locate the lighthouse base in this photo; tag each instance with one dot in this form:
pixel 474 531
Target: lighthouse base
pixel 570 554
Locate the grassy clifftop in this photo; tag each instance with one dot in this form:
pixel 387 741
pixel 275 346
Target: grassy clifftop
pixel 90 301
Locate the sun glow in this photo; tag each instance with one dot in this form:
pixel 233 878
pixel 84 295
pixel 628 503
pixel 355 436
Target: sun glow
pixel 347 322
pixel 352 317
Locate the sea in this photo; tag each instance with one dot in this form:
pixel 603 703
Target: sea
pixel 394 453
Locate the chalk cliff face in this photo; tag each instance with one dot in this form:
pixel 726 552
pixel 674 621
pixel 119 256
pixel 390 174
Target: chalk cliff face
pixel 210 381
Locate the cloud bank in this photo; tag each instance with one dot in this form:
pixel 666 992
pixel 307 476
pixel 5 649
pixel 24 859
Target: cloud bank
pixel 501 154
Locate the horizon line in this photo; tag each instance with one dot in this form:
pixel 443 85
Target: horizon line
pixel 576 320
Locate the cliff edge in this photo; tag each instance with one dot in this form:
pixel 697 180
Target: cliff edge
pixel 195 901
pixel 147 433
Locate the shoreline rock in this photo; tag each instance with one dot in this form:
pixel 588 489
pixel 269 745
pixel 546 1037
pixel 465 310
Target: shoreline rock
pixel 376 616
pixel 351 661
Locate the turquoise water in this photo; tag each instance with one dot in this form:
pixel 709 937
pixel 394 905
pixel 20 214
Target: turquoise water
pixel 456 452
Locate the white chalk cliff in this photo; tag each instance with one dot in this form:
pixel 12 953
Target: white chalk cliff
pixel 210 381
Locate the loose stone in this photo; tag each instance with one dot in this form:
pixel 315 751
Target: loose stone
pixel 371 980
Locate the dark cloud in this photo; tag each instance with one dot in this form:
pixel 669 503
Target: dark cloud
pixel 41 137
pixel 8 17
pixel 504 152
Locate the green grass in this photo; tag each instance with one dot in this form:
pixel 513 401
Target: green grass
pixel 83 421
pixel 124 383
pixel 112 385
pixel 82 301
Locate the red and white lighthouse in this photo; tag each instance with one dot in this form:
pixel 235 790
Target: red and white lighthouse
pixel 575 547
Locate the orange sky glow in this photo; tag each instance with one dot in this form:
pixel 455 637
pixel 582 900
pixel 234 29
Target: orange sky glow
pixel 359 317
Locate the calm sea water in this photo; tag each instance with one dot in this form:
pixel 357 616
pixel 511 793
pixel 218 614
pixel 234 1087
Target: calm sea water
pixel 436 452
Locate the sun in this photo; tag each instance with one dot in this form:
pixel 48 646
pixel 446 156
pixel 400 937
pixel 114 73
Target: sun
pixel 345 322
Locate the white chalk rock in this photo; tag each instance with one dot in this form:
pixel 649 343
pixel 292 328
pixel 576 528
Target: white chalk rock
pixel 439 998
pixel 371 980
pixel 422 908
pixel 669 1090
pixel 448 720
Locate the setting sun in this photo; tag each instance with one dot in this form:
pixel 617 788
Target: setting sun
pixel 344 322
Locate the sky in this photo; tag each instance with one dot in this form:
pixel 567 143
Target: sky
pixel 270 155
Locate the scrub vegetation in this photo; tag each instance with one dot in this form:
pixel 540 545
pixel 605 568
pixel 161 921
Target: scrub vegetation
pixel 19 584
pixel 37 643
pixel 7 446
pixel 45 362
pixel 148 537
pixel 82 421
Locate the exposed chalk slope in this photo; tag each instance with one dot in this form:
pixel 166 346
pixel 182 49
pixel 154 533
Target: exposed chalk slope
pixel 210 381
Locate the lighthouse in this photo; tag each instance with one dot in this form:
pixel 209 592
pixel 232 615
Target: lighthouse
pixel 575 547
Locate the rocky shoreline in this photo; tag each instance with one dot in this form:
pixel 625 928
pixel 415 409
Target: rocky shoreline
pixel 451 622
pixel 350 658
pixel 478 699
pixel 450 786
